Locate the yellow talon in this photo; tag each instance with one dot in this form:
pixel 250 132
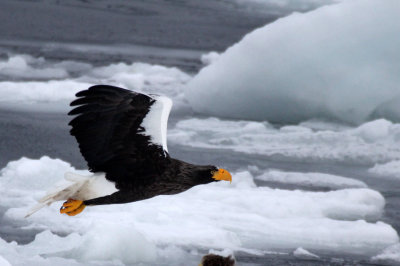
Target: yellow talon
pixel 72 207
pixel 77 211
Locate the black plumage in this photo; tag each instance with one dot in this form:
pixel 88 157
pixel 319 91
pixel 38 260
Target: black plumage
pixel 109 129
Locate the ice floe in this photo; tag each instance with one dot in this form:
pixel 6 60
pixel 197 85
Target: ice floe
pixel 390 169
pixel 238 216
pixel 390 255
pixel 318 180
pixel 373 142
pixel 304 254
pixel 334 62
pixel 48 85
pixel 28 67
pixel 4 262
pixel 282 6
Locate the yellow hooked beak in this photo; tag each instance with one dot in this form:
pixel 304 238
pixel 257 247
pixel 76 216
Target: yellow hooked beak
pixel 222 174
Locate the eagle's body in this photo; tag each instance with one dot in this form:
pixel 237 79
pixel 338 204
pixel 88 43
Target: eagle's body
pixel 122 136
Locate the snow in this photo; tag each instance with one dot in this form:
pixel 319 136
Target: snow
pixel 25 66
pixel 44 85
pixel 390 169
pixel 304 254
pixel 281 6
pixel 334 62
pixel 311 179
pixel 151 79
pixel 108 242
pixel 4 262
pixel 224 253
pixel 238 217
pixel 390 254
pixel 209 58
pixel 53 95
pixel 373 142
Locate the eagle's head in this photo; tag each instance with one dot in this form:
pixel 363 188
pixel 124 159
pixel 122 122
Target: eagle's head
pixel 221 174
pixel 210 173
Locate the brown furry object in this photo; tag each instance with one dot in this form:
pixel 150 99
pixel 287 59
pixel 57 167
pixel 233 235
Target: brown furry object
pixel 217 260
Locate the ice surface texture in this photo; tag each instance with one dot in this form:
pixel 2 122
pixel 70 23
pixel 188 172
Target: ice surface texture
pixel 373 142
pixel 240 216
pixel 50 86
pixel 334 62
pixel 318 180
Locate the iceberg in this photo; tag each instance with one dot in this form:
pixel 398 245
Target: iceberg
pixel 334 62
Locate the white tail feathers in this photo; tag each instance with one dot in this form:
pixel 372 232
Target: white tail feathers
pixel 70 187
pixel 77 187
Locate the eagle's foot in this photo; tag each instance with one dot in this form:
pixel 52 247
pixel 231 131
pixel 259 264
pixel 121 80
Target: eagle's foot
pixel 72 207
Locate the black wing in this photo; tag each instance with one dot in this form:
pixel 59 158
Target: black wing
pixel 112 138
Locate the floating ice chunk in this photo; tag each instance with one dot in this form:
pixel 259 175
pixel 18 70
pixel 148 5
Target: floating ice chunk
pixel 319 125
pixel 310 65
pixel 304 254
pixel 145 77
pixel 281 6
pixel 40 95
pixel 390 254
pixel 111 241
pixel 244 180
pixel 375 130
pixel 209 58
pixel 65 78
pixel 46 243
pixel 28 67
pixel 237 216
pixel 311 179
pixel 390 169
pixel 374 142
pixel 224 253
pixel 34 174
pixel 4 262
pixel 24 180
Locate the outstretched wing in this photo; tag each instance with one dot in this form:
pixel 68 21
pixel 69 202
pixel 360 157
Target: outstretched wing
pixel 122 133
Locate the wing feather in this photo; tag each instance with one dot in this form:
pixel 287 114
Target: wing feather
pixel 122 133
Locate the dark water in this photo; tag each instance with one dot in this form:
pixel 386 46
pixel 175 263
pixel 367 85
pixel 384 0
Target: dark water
pixel 172 33
pixel 52 28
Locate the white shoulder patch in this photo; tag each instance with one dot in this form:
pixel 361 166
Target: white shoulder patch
pixel 156 121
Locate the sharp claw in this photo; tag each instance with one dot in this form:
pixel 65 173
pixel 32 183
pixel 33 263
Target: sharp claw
pixel 77 211
pixel 68 204
pixel 72 207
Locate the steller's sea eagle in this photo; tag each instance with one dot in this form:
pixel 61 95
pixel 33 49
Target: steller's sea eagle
pixel 122 135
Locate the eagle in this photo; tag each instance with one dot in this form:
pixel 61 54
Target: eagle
pixel 122 135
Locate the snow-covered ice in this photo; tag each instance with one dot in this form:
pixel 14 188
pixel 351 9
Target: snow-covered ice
pixel 3 261
pixel 389 255
pixel 239 217
pixel 50 86
pixel 209 58
pixel 319 180
pixel 334 62
pixel 298 69
pixel 304 254
pixel 373 142
pixel 281 6
pixel 28 67
pixel 390 169
pixel 53 95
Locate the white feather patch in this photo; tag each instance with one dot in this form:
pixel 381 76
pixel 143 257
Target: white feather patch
pixel 77 187
pixel 156 121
